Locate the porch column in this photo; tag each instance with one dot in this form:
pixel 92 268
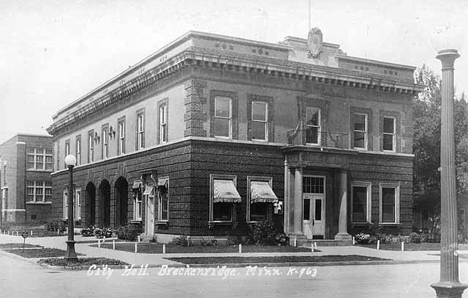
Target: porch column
pixel 298 201
pixel 343 219
pixel 287 197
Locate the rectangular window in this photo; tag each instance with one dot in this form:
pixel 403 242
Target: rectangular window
pixel 312 126
pixel 360 131
pixel 67 148
pixel 78 150
pixel 312 184
pixel 39 191
pixel 389 136
pixel 259 121
pixel 140 132
pixel 223 196
pixel 40 159
pixel 90 146
pixel 105 142
pixel 163 199
pixel 77 204
pixel 361 200
pixel 121 136
pixel 163 123
pixel 260 198
pixel 65 203
pixel 389 204
pixel 138 204
pixel 223 117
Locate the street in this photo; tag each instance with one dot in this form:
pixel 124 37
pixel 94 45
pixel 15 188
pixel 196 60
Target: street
pixel 22 279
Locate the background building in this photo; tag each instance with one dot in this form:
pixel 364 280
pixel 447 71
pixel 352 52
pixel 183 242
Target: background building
pixel 212 133
pixel 26 187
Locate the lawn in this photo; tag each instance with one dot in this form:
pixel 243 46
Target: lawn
pixel 18 245
pixel 37 252
pixel 157 248
pixel 81 262
pixel 411 246
pixel 276 260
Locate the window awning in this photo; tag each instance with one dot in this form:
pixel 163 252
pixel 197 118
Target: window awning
pixel 136 184
pixel 163 182
pixel 261 192
pixel 225 192
pixel 148 190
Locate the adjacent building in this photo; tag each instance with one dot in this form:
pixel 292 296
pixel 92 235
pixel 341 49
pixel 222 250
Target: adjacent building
pixel 212 133
pixel 26 188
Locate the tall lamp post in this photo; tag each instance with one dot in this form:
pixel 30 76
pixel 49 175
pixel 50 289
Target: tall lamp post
pixel 447 41
pixel 70 255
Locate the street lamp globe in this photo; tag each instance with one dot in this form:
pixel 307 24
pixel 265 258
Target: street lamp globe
pixel 70 160
pixel 448 38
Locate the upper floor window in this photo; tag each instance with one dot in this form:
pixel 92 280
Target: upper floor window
pixel 39 191
pixel 163 123
pixel 121 136
pixel 140 131
pixel 312 126
pixel 260 120
pixel 78 150
pixel 223 117
pixel 90 146
pixel 39 159
pixel 360 128
pixel 67 147
pixel 105 141
pixel 389 136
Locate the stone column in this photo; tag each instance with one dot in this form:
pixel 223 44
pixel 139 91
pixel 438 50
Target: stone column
pixel 287 197
pixel 298 201
pixel 343 197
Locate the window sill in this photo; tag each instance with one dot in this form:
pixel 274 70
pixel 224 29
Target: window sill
pixel 162 223
pixel 389 224
pixel 38 203
pixel 211 224
pixel 136 221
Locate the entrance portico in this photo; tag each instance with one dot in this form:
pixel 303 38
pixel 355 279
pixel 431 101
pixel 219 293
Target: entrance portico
pixel 316 195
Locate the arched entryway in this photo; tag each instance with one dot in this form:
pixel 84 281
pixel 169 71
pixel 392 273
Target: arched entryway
pixel 90 204
pixel 104 204
pixel 121 202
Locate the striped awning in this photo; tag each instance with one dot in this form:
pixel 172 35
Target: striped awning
pixel 225 192
pixel 261 192
pixel 148 190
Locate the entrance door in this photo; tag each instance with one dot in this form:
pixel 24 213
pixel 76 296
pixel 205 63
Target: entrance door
pixel 313 216
pixel 314 207
pixel 149 223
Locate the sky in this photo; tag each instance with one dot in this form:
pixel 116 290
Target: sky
pixel 52 52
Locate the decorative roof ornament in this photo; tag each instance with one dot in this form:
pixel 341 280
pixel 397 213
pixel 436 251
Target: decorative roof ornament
pixel 315 42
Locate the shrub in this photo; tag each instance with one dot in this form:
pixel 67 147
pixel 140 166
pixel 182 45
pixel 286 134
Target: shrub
pixel 129 232
pixel 209 242
pixel 282 239
pixel 88 232
pixel 104 232
pixel 180 241
pixel 56 225
pixel 414 238
pixel 362 238
pixel 263 233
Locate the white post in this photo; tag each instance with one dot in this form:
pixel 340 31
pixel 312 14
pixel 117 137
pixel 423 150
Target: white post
pixel 99 243
pixel 354 241
pixel 31 233
pixel 403 246
pixel 164 249
pixel 378 244
pixel 104 240
pixel 240 248
pixel 315 244
pixel 312 247
pixel 17 234
pixel 113 244
pixel 138 238
pixel 295 241
pixel 136 247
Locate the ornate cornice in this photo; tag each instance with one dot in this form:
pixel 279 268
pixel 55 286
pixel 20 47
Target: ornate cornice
pixel 237 62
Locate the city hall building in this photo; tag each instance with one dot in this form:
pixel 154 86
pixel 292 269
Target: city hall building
pixel 213 133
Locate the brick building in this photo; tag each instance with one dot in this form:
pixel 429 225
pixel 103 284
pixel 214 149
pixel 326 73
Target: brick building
pixel 212 133
pixel 26 188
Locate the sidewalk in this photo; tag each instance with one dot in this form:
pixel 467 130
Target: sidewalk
pixel 159 259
